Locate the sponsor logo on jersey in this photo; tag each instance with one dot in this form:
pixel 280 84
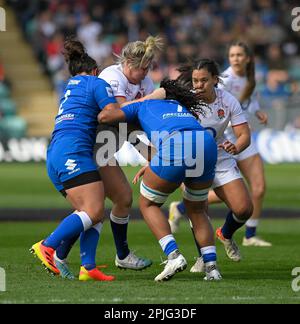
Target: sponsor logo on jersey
pixel 177 115
pixel 114 84
pixel 109 92
pixel 74 82
pixel 64 117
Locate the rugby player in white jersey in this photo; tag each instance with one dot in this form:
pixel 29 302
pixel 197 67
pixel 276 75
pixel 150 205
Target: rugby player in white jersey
pixel 203 76
pixel 239 80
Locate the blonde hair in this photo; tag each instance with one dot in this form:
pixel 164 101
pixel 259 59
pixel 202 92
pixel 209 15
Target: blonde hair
pixel 141 54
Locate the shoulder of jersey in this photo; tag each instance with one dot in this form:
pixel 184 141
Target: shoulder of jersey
pixel 226 95
pixel 111 69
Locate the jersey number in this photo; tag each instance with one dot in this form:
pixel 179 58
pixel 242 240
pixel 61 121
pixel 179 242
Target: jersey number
pixel 61 110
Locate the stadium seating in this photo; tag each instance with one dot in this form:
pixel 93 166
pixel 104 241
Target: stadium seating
pixel 11 125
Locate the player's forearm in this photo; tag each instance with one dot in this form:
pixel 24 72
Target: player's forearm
pixel 242 142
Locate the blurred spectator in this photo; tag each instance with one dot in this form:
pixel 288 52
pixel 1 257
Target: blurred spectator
pixel 276 85
pixel 191 28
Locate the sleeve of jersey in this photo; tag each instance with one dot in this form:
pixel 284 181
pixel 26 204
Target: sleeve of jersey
pixel 114 80
pixel 103 94
pixel 225 81
pixel 131 112
pixel 238 117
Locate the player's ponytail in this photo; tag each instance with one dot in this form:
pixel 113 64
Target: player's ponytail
pixel 250 72
pixel 77 58
pixel 140 54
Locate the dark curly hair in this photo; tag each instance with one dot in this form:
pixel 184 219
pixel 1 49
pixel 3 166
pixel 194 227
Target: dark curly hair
pixel 77 58
pixel 176 90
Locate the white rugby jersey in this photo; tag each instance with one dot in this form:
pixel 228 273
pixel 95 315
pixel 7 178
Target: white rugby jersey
pixel 235 85
pixel 224 110
pixel 122 87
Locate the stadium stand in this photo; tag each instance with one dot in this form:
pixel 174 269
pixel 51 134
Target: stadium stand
pixel 11 125
pixel 191 28
pixel 31 95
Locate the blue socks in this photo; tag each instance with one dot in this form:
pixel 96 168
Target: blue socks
pixel 119 229
pixel 251 226
pixel 88 246
pixel 69 228
pixel 250 232
pixel 65 247
pixel 232 224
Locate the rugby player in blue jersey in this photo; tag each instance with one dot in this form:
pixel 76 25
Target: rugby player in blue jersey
pixel 185 153
pixel 70 163
pixel 129 81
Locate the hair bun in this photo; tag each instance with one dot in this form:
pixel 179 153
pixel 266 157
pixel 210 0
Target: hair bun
pixel 74 50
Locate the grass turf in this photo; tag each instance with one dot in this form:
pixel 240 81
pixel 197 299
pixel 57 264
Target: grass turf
pixel 263 276
pixel 28 186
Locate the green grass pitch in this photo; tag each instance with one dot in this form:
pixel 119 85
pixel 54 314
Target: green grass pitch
pixel 263 276
pixel 28 186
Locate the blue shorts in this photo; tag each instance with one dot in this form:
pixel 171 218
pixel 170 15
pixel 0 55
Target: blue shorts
pixel 68 158
pixel 186 156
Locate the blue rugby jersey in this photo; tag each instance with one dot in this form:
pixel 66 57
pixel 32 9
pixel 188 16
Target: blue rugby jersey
pixel 85 96
pixel 161 116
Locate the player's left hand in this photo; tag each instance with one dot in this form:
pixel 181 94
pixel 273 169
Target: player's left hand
pixel 262 117
pixel 228 147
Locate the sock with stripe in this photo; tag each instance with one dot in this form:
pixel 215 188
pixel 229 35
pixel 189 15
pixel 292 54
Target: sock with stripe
pixel 119 228
pixel 209 254
pixel 168 245
pixel 69 228
pixel 251 226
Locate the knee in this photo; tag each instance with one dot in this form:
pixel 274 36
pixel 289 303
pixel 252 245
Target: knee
pixel 244 211
pixel 123 199
pixel 258 191
pixel 95 212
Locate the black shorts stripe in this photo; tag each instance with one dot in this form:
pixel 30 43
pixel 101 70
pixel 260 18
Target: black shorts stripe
pixel 82 179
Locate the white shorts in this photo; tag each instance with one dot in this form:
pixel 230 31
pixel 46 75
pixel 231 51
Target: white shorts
pixel 251 150
pixel 226 171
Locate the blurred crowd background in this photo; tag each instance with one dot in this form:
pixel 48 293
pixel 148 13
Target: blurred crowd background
pixel 190 28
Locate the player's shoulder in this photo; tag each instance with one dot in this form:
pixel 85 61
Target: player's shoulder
pixel 228 73
pixel 97 81
pixel 112 71
pixel 226 97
